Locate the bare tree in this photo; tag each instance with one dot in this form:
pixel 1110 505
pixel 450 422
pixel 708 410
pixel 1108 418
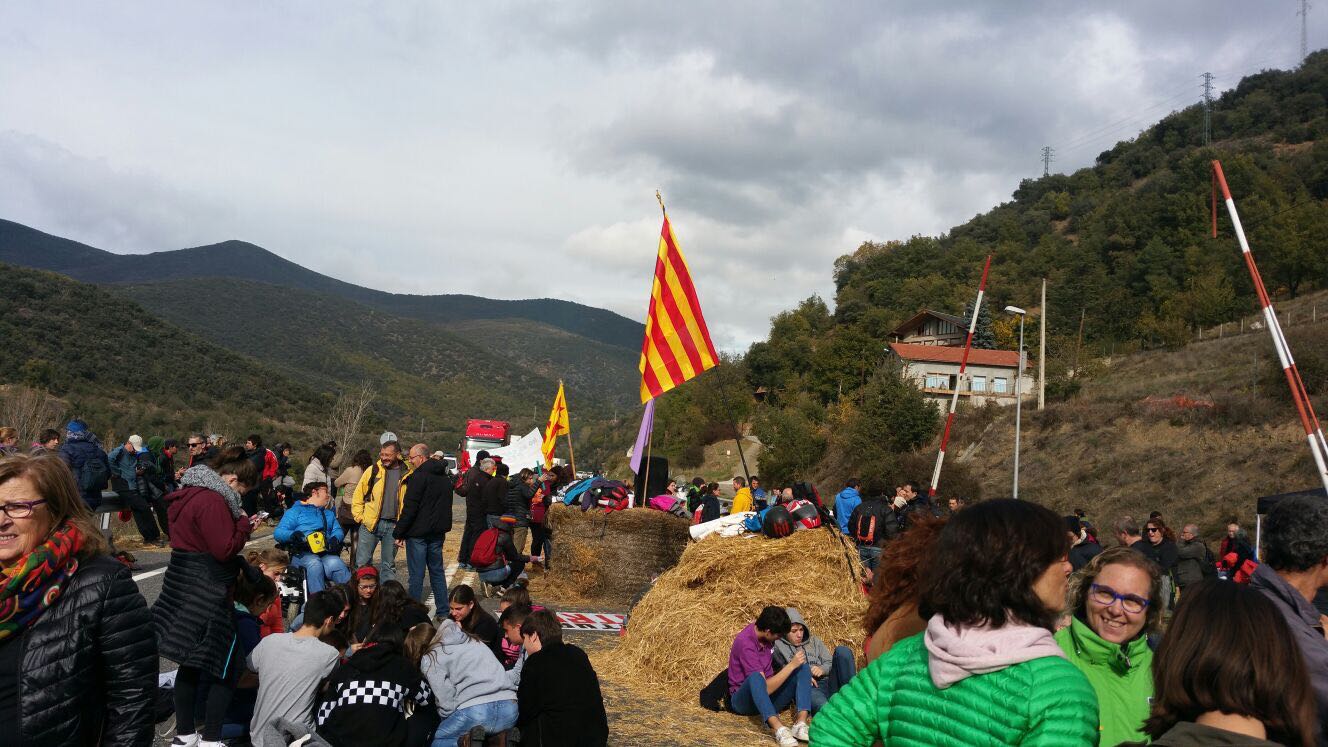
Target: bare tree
pixel 29 410
pixel 347 413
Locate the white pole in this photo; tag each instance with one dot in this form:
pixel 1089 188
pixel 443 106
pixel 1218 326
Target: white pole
pixel 1042 352
pixel 1018 404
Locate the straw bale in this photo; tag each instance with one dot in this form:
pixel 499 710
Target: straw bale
pixel 613 556
pixel 679 635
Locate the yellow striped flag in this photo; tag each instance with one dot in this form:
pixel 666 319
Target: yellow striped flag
pixel 677 344
pixel 558 425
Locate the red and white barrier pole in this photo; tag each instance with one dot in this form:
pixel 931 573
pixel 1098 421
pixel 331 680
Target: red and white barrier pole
pixel 963 366
pixel 1304 408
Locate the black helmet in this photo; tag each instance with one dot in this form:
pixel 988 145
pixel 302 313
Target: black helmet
pixel 777 523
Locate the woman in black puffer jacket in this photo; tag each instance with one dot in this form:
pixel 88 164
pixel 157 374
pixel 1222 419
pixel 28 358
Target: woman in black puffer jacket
pixel 78 662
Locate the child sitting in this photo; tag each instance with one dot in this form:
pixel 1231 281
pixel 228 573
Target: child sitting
pixel 829 671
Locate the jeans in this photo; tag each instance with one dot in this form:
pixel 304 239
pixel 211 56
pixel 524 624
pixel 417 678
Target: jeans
pixel 751 697
pixel 870 557
pixel 381 535
pixel 842 669
pixel 504 575
pixel 496 717
pixel 421 555
pixel 319 569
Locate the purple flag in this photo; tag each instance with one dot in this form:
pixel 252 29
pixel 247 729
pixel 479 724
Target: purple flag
pixel 647 425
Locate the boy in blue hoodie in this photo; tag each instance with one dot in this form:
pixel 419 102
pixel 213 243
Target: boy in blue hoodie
pixel 311 530
pixel 847 500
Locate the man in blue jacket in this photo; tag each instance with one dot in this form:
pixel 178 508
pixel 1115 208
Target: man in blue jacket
pixel 311 531
pixel 847 500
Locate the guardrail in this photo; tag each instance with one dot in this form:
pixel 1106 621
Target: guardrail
pixel 111 503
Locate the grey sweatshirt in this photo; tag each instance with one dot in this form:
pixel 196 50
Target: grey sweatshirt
pixel 817 654
pixel 463 672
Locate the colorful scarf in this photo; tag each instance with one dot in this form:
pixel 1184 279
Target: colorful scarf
pixel 33 585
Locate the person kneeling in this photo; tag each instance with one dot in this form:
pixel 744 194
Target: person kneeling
pixel 498 559
pixel 311 530
pixel 829 671
pixel 755 687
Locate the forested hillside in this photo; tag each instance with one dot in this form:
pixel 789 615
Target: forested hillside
pixel 421 369
pixel 122 369
pixel 1124 246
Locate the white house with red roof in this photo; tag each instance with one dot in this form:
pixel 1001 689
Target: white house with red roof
pixel 930 346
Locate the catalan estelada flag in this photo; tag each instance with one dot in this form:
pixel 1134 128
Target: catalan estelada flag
pixel 677 344
pixel 558 425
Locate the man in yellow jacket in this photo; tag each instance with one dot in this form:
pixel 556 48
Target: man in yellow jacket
pixel 742 497
pixel 376 506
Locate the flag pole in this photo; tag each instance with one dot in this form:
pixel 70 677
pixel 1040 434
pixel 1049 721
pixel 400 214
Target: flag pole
pixel 650 437
pixel 571 455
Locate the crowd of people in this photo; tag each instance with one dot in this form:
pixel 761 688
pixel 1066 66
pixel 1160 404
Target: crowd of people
pixel 363 662
pixel 998 622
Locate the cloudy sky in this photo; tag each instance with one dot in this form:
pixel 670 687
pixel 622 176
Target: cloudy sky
pixel 513 149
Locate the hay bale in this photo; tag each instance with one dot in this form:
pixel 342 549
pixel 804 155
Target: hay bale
pixel 612 557
pixel 679 635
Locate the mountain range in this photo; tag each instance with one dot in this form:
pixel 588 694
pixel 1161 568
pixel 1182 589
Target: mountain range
pixel 439 358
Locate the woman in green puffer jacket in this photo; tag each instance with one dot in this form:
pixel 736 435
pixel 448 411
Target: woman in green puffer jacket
pixel 1115 603
pixel 987 671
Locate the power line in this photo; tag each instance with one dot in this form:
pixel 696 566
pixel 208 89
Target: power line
pixel 1048 155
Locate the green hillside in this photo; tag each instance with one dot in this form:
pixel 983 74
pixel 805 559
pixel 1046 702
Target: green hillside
pixel 29 247
pixel 116 365
pixel 1123 244
pixel 422 370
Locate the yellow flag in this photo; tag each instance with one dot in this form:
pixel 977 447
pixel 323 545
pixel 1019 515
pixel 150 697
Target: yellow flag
pixel 558 425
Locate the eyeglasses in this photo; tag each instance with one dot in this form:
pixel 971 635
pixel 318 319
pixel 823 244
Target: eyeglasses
pixel 1152 530
pixel 1105 596
pixel 192 444
pixel 20 509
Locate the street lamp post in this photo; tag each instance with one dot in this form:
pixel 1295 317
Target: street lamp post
pixel 1018 392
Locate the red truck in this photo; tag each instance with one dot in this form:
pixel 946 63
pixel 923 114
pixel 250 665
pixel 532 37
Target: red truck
pixel 486 435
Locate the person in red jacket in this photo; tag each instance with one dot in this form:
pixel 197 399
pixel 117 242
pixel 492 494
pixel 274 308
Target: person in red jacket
pixel 193 617
pixel 272 563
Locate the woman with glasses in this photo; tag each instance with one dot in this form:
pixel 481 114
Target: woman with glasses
pixel 1115 603
pixel 78 663
pixel 1160 547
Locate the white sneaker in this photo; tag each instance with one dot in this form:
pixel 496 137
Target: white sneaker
pixel 185 740
pixel 801 732
pixel 785 737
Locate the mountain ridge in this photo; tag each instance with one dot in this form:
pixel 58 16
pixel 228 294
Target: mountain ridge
pixel 30 247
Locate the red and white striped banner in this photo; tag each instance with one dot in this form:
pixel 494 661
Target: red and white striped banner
pixel 610 622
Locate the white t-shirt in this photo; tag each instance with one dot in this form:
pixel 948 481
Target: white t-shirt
pixel 289 669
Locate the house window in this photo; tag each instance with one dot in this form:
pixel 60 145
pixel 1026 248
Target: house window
pixel 1000 385
pixel 979 384
pixel 938 381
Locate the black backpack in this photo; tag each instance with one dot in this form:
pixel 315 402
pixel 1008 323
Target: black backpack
pixel 872 523
pixel 93 474
pixel 715 696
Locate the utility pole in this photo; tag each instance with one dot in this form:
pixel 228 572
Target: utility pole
pixel 1208 107
pixel 1048 155
pixel 1304 14
pixel 1042 351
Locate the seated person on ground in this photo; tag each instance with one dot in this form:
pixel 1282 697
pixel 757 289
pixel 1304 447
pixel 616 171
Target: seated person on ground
pixel 511 621
pixel 465 609
pixel 829 671
pixel 289 668
pixel 311 530
pixel 364 701
pixel 559 700
pixel 469 685
pixel 755 687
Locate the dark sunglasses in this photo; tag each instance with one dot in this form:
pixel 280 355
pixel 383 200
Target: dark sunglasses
pixel 1151 530
pixel 192 444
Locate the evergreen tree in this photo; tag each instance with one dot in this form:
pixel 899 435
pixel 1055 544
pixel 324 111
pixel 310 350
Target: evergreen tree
pixel 984 337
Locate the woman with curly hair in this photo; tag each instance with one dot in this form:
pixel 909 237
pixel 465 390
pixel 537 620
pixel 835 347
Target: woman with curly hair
pixel 986 670
pixel 1114 603
pixel 892 612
